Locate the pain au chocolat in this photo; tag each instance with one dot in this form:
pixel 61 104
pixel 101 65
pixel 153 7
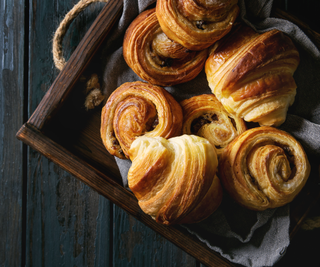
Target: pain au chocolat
pixel 204 115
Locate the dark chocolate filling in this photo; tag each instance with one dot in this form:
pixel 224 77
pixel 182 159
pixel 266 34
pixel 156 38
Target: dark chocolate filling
pixel 200 24
pixel 202 120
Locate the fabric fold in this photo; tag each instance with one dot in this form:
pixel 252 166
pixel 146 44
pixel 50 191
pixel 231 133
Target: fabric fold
pixel 242 236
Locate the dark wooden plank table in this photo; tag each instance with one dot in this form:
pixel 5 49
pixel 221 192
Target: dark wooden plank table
pixel 47 216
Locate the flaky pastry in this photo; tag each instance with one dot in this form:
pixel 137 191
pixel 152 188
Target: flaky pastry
pixel 264 168
pixel 196 24
pixel 157 59
pixel 252 74
pixel 204 115
pixel 135 109
pixel 175 180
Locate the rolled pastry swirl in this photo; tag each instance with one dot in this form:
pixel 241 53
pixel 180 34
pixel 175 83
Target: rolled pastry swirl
pixel 175 180
pixel 196 24
pixel 263 168
pixel 252 74
pixel 157 59
pixel 135 109
pixel 204 115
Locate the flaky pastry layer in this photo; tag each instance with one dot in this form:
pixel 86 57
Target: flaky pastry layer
pixel 196 24
pixel 252 74
pixel 156 58
pixel 205 116
pixel 175 180
pixel 135 109
pixel 264 168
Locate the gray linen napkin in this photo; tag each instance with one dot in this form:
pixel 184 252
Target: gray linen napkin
pixel 242 236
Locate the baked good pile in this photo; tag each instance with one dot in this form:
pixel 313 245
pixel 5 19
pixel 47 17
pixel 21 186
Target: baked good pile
pixel 186 155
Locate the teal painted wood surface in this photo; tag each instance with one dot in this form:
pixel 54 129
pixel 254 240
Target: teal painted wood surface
pixel 11 117
pixel 69 224
pixel 47 216
pixel 135 244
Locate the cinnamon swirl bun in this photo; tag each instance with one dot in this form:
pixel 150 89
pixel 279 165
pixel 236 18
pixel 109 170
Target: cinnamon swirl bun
pixel 264 168
pixel 156 58
pixel 135 109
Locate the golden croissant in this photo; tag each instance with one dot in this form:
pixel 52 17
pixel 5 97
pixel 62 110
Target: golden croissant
pixel 175 180
pixel 196 24
pixel 264 168
pixel 157 59
pixel 252 74
pixel 204 115
pixel 135 109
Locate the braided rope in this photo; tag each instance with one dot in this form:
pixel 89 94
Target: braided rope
pixel 57 52
pixel 311 223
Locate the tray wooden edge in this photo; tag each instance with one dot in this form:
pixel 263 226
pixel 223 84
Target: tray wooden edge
pixel 312 197
pixel 313 35
pixel 116 193
pixel 78 61
pixel 30 134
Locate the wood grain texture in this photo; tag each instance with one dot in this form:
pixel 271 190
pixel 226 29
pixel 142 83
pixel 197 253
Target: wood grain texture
pixel 109 188
pixel 137 245
pixel 76 64
pixel 67 221
pixel 11 116
pixel 63 210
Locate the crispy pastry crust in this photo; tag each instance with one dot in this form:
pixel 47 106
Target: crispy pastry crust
pixel 264 168
pixel 135 109
pixel 157 59
pixel 174 180
pixel 196 24
pixel 204 115
pixel 252 74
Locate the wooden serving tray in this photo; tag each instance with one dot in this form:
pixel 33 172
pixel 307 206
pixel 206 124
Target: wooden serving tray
pixel 64 132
